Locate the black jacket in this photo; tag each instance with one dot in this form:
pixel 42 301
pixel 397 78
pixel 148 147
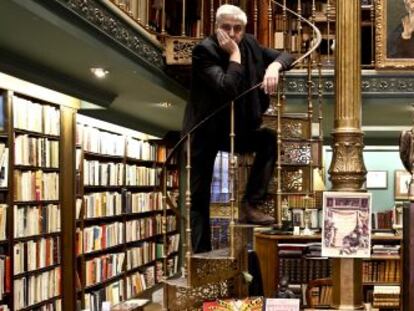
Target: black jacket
pixel 216 81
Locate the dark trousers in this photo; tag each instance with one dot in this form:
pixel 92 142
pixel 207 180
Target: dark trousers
pixel 203 153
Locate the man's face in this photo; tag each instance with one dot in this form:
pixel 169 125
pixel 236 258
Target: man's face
pixel 409 5
pixel 233 27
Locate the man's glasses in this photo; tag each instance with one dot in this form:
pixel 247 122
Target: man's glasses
pixel 227 27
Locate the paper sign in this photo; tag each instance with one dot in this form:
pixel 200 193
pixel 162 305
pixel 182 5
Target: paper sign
pixel 278 304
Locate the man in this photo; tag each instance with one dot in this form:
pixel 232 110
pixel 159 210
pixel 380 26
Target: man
pixel 401 41
pixel 224 65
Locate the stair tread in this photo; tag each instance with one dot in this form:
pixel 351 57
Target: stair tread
pixel 220 253
pixel 178 282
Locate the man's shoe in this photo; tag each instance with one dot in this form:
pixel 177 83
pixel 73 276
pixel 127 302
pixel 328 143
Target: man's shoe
pixel 257 217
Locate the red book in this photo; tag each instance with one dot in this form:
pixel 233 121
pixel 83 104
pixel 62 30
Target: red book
pixel 7 275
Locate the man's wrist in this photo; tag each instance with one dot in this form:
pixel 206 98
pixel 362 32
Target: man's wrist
pixel 235 56
pixel 276 65
pixel 406 36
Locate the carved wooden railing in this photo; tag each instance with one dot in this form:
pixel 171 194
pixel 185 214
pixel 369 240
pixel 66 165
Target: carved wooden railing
pixel 180 25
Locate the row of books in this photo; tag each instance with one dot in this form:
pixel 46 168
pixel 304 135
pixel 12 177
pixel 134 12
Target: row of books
pixel 386 296
pixel 386 250
pixel 139 281
pixel 143 254
pixel 104 267
pixel 103 236
pixel 95 140
pixel 300 201
pixel 381 271
pixel 142 176
pixel 143 202
pixel 97 173
pixel 36 185
pixel 34 220
pixel 144 150
pixel 382 220
pixel 143 228
pixel 172 266
pixel 99 141
pixel 173 179
pixel 37 288
pixel 35 117
pixel 36 254
pixel 112 294
pixel 102 204
pixel 302 270
pixel 35 151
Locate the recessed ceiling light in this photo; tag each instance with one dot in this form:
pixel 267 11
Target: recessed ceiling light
pixel 99 72
pixel 165 105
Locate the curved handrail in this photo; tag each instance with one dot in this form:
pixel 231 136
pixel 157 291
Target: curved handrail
pixel 225 105
pixel 297 61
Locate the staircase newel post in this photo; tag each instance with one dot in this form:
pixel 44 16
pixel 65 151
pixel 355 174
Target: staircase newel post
pixel 232 180
pixel 187 266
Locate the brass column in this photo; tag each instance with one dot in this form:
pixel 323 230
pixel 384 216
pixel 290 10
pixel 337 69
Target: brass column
pixel 347 170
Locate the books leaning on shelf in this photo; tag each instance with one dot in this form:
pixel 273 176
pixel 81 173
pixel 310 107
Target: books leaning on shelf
pixel 29 290
pixel 112 293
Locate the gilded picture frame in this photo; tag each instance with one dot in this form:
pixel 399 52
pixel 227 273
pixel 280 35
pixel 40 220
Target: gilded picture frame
pixel 392 51
pixel 402 181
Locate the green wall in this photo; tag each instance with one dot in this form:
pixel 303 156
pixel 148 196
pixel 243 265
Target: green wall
pixel 384 158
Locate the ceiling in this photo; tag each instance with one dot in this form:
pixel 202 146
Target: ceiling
pixel 43 47
pixel 40 46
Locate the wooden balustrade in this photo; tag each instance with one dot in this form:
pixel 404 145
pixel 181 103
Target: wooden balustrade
pixel 272 26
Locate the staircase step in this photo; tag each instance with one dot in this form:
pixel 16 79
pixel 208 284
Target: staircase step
pixel 180 296
pixel 221 253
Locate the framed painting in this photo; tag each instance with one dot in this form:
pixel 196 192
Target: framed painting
pixel 377 180
pixel 402 180
pixel 394 28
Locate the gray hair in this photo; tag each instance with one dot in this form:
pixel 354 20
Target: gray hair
pixel 231 10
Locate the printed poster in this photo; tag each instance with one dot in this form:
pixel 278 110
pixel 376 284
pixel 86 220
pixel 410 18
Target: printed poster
pixel 346 230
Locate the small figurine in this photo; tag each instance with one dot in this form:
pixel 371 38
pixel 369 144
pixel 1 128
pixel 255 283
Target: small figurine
pixel 284 291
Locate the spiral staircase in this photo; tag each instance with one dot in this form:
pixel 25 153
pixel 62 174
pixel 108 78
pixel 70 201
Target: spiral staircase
pixel 222 272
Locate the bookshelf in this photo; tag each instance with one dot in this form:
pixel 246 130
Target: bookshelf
pixel 30 202
pixel 125 240
pixel 297 258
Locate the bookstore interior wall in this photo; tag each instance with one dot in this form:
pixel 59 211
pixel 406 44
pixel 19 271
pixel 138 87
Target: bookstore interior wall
pixel 81 216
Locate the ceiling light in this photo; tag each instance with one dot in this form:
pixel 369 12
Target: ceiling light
pixel 165 105
pixel 99 72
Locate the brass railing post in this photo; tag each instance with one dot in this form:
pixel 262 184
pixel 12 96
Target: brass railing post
pixel 188 253
pixel 232 180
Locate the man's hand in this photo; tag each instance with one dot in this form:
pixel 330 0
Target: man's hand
pixel 271 78
pixel 229 45
pixel 408 27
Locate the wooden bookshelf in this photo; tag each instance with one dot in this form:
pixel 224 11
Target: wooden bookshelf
pixel 140 202
pixel 377 270
pixel 34 129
